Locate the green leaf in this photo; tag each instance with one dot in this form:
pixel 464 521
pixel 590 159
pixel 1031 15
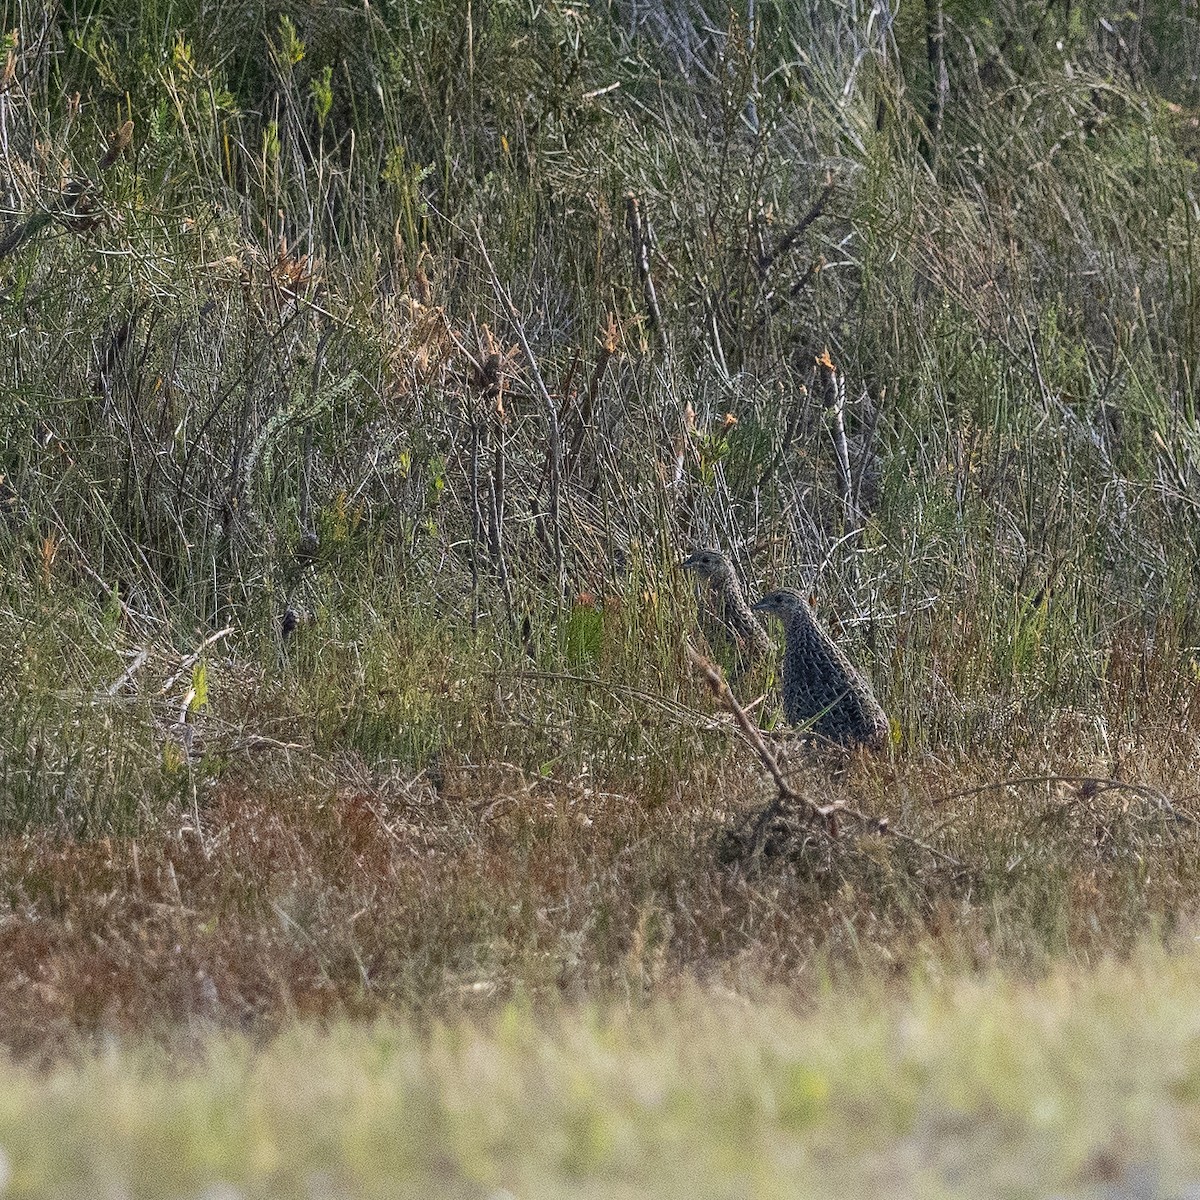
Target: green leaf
pixel 199 687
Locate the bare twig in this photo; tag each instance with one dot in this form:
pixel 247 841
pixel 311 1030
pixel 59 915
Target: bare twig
pixel 130 671
pixel 639 235
pixel 785 793
pixel 793 235
pixel 192 658
pixel 1096 785
pixel 939 79
pixel 835 386
pixel 673 709
pixel 553 429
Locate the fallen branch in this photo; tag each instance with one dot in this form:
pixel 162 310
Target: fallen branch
pixel 784 792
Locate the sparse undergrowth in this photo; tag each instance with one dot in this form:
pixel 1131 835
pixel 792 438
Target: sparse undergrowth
pixel 350 889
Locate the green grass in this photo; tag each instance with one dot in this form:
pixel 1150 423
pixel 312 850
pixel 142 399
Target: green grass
pixel 454 857
pixel 934 1087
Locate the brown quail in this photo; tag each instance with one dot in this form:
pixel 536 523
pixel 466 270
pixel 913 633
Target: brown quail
pixel 822 688
pixel 732 614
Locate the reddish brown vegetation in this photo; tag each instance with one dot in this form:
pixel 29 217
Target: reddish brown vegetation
pixel 293 902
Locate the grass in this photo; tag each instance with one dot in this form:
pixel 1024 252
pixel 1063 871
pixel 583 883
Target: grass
pixel 354 431
pixel 360 890
pixel 913 1088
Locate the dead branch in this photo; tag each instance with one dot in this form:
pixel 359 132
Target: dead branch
pixel 785 793
pixel 553 430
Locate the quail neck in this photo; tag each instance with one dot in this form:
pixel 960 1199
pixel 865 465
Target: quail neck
pixel 732 610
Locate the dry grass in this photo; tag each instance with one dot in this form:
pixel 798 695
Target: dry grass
pixel 353 890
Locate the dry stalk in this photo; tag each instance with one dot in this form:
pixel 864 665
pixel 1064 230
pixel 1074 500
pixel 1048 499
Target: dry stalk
pixel 835 385
pixel 553 429
pixel 1088 785
pixel 609 344
pixel 477 521
pixel 784 793
pixel 939 86
pixel 130 671
pixel 793 235
pixel 190 661
pixel 639 234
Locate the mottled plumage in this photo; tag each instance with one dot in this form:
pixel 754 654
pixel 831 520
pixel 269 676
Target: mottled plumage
pixel 821 687
pixel 737 623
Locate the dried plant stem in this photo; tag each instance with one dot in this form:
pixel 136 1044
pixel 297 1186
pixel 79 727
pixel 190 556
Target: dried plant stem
pixel 1092 784
pixel 553 429
pixel 191 660
pixel 496 513
pixel 639 235
pixel 939 85
pixel 835 389
pixel 784 793
pixel 793 235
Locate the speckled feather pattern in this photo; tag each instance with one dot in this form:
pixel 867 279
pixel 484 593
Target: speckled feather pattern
pixel 822 688
pixel 731 609
pixel 737 615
